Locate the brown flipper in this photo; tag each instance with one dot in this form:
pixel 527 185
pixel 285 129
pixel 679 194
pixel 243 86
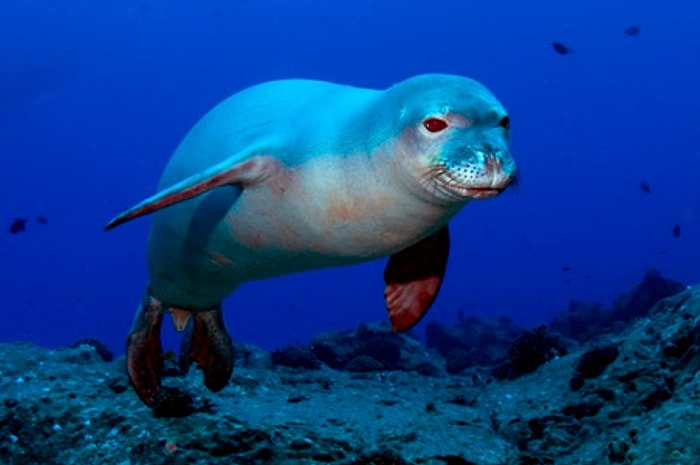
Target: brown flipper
pixel 211 348
pixel 413 277
pixel 144 353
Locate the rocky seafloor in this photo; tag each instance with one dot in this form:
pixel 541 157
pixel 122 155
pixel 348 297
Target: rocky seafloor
pixel 595 386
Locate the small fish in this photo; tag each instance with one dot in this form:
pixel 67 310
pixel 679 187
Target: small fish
pixel 560 48
pixel 645 187
pixel 676 230
pixel 18 225
pixel 42 220
pixel 566 268
pixel 633 31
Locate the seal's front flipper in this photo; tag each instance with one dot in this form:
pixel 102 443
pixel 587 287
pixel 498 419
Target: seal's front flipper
pixel 144 353
pixel 232 171
pixel 212 349
pixel 413 277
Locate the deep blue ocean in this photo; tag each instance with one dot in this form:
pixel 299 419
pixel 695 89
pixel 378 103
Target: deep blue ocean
pixel 96 95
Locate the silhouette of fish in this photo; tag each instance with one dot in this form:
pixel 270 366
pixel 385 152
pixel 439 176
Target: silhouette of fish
pixel 18 225
pixel 560 48
pixel 645 187
pixel 42 220
pixel 633 31
pixel 677 230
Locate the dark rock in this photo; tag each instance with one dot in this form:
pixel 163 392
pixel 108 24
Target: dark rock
pixel 367 331
pixel 457 360
pixel 660 394
pixel 328 457
pixel 244 442
pixel 264 454
pixel 299 444
pixel 454 460
pixel 118 384
pixel 473 342
pixel 335 350
pixel 373 347
pixel 443 338
pixel 576 382
pixel 250 356
pixel 174 403
pixel 537 426
pixel 583 409
pixel 644 296
pixel 593 362
pixel 618 452
pixel 295 357
pixel 606 394
pixel 380 343
pixel 581 321
pixel 364 364
pixel 684 343
pixel 383 457
pixel 387 351
pixel 461 399
pixel 528 459
pixel 99 346
pixel 423 367
pixel 534 437
pixel 247 383
pixel 529 351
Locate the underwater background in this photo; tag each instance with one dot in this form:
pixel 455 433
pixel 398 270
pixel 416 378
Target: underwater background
pixel 95 96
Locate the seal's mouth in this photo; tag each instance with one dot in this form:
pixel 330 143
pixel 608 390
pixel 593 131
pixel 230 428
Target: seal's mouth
pixel 470 181
pixel 483 192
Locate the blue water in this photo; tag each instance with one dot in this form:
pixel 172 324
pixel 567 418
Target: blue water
pixel 94 97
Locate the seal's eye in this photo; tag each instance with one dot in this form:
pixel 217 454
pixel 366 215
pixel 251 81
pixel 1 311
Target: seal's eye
pixel 435 124
pixel 504 123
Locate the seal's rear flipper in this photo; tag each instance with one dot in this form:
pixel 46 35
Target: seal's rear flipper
pixel 232 171
pixel 144 353
pixel 211 348
pixel 413 277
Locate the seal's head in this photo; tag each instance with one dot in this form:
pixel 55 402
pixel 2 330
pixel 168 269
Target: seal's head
pixel 454 134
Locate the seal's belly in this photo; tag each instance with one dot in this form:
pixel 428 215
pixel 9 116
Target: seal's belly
pixel 309 234
pixel 294 225
pixel 299 220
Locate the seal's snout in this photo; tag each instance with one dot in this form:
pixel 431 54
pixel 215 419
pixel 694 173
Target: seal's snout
pixel 498 173
pixel 478 173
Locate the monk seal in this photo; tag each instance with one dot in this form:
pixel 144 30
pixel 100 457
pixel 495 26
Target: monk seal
pixel 295 175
